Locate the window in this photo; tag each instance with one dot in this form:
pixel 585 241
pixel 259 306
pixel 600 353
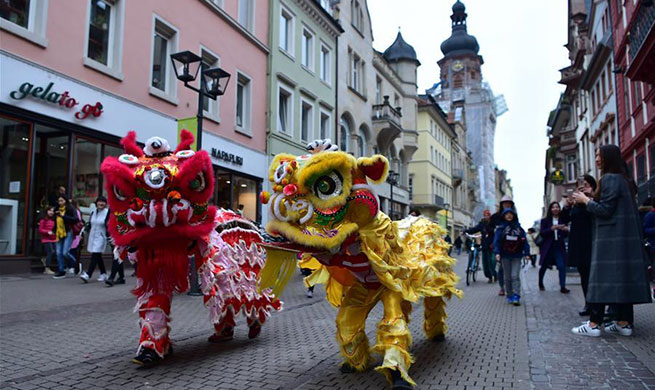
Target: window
pixel 571 167
pixel 344 135
pixel 378 91
pixel 602 81
pixel 396 100
pixel 286 31
pixel 163 83
pixel 411 187
pixel 593 102
pixel 285 109
pixel 355 78
pixel 243 104
pixel 652 160
pixel 25 18
pixel 326 68
pixel 307 59
pixel 325 125
pixel 362 140
pixel 246 14
pixel 306 121
pixel 356 14
pixel 637 87
pixel 641 168
pixel 210 106
pixel 326 6
pixel 432 154
pixel 104 39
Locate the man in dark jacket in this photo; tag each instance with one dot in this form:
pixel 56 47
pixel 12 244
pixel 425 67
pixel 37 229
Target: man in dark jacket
pixel 485 228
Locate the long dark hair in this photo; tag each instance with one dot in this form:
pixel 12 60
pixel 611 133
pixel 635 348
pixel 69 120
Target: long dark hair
pixel 549 212
pixel 612 162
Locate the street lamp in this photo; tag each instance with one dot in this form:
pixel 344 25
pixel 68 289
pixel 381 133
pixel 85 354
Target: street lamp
pixel 392 179
pixel 212 84
pixel 446 207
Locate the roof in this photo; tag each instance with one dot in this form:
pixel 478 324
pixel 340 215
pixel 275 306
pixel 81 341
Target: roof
pixel 459 42
pixel 400 50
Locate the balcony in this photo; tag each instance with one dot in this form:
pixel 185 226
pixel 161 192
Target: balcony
pixel 458 176
pixel 410 141
pixel 386 122
pixel 642 45
pixel 430 201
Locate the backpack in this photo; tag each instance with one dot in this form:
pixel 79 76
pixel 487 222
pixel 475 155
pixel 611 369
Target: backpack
pixel 512 240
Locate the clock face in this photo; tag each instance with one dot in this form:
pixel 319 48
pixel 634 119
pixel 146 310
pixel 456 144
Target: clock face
pixel 457 66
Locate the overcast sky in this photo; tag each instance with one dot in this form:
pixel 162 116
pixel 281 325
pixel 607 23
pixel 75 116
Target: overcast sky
pixel 521 42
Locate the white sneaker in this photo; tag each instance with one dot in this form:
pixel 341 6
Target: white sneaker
pixel 71 271
pixel 48 271
pixel 586 330
pixel 309 294
pixel 85 277
pixel 102 277
pixel 614 328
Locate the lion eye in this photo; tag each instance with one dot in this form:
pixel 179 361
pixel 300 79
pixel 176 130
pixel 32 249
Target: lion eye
pixel 328 186
pixel 198 184
pixel 119 194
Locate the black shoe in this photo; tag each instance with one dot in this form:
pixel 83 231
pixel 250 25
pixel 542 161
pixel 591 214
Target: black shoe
pixel 109 283
pixel 147 358
pixel 439 338
pixel 59 275
pixel 347 369
pixel 541 287
pixel 398 383
pixel 120 281
pixel 585 312
pixel 564 290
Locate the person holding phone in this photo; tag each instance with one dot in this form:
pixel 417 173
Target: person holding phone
pixel 553 229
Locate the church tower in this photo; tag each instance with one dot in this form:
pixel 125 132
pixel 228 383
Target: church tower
pixel 462 89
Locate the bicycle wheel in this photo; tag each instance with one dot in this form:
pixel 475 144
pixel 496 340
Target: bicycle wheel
pixel 468 269
pixel 474 268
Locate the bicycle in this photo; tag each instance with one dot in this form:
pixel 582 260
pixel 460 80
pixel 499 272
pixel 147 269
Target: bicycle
pixel 474 259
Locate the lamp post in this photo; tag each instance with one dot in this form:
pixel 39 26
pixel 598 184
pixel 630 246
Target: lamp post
pixel 212 84
pixel 446 207
pixel 392 179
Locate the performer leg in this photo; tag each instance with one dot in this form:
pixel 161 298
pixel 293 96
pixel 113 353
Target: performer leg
pixel 393 339
pixel 434 324
pixel 154 343
pixel 351 322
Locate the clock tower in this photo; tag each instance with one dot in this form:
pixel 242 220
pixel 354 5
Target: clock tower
pixel 461 87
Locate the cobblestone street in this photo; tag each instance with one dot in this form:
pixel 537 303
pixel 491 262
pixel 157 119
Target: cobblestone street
pixel 67 335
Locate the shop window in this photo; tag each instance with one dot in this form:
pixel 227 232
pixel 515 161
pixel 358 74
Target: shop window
pixel 14 147
pixel 223 198
pixel 25 18
pixel 86 172
pixel 244 197
pixel 163 83
pixel 105 36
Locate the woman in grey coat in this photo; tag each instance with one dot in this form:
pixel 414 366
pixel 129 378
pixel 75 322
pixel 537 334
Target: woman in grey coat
pixel 618 261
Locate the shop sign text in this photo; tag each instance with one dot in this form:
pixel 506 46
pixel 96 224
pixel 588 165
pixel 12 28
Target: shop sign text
pixel 61 99
pixel 225 156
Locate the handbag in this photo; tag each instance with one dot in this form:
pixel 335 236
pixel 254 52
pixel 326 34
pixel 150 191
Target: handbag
pixel 538 240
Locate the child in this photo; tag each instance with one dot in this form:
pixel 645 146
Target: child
pixel 48 237
pixel 510 244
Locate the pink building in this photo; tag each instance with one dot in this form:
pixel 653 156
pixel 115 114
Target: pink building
pixel 77 75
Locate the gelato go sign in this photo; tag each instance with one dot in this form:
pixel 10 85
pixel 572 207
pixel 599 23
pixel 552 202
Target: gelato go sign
pixel 62 99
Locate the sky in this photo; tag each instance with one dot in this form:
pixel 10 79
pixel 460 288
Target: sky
pixel 521 42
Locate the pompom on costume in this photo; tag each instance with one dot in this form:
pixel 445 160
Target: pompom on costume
pixel 160 216
pixel 323 203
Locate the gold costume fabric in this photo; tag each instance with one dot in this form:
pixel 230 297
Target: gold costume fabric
pixel 410 259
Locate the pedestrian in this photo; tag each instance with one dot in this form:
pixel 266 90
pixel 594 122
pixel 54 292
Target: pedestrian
pixel 240 210
pixel 579 250
pixel 78 231
pixel 510 245
pixel 97 239
pixel 649 234
pixel 534 248
pixel 449 241
pixel 553 229
pixel 486 230
pixel 458 245
pixel 618 260
pixel 118 268
pixel 48 231
pixel 505 202
pixel 66 218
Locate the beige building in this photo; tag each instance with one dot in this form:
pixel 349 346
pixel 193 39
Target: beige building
pixel 464 176
pixel 376 103
pixel 430 171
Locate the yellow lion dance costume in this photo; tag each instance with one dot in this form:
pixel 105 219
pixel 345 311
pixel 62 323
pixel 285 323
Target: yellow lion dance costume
pixel 324 205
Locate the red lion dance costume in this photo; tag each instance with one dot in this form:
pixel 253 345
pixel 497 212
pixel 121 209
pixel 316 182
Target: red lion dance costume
pixel 160 217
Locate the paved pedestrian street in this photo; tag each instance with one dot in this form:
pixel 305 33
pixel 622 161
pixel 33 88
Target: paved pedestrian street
pixel 63 334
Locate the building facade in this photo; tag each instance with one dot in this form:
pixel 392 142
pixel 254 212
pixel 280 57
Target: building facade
pixel 464 176
pixel 633 32
pixel 461 85
pixel 302 77
pixel 67 96
pixel 430 173
pixel 376 104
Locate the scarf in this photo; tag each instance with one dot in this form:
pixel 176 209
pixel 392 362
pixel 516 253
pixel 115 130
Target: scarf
pixel 61 227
